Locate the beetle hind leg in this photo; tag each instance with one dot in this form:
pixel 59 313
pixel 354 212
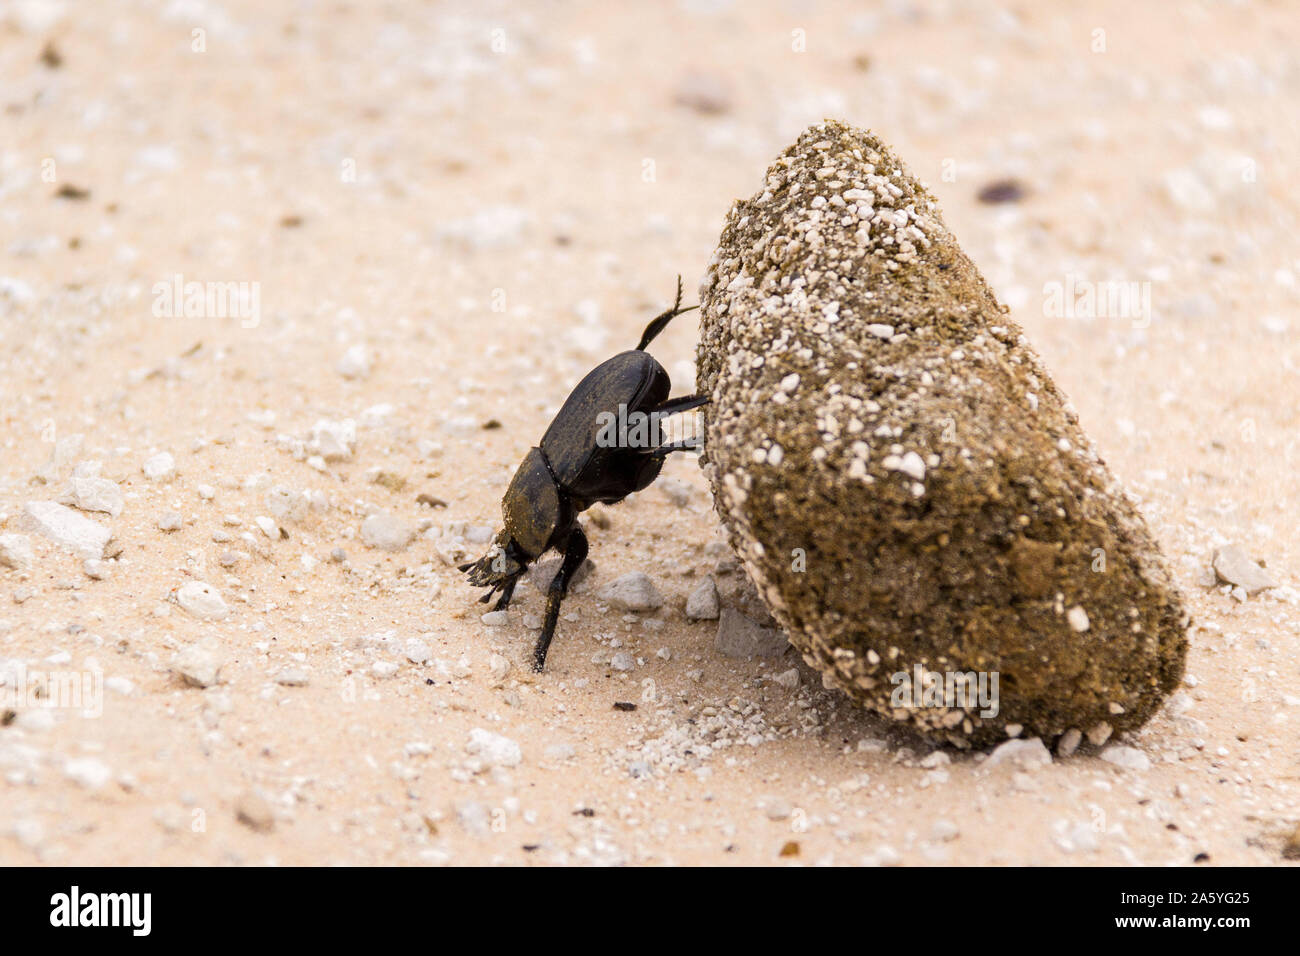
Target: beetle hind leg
pixel 683 403
pixel 660 322
pixel 663 451
pixel 674 406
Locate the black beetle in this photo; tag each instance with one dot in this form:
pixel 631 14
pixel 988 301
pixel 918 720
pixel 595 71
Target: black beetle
pixel 576 464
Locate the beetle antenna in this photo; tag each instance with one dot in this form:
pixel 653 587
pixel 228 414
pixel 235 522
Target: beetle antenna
pixel 661 321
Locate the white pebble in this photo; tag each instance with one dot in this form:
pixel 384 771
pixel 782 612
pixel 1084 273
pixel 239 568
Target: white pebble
pixel 201 600
pixel 161 467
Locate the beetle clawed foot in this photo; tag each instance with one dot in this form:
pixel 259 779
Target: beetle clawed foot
pixel 498 570
pixel 495 568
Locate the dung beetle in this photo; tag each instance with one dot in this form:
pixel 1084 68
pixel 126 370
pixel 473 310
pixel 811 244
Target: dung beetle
pixel 603 444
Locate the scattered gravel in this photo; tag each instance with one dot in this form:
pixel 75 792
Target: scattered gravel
pixel 739 636
pixel 1099 733
pixel 170 521
pixel 632 592
pixel 945 831
pixel 252 810
pixel 16 552
pixel 703 603
pixel 417 651
pixel 66 451
pixel 199 664
pixel 95 494
pixel 201 600
pixel 355 363
pixel 161 467
pixel 493 749
pixel 66 528
pixel 96 569
pixel 473 817
pixel 560 752
pixel 1130 758
pixel 88 772
pixel 386 532
pixel 777 809
pixel 286 505
pixel 334 441
pixel 1232 566
pixel 789 679
pixel 1068 743
pixel 1025 754
pixel 293 677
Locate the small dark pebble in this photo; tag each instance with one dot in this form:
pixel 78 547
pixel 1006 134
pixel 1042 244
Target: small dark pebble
pixel 1201 858
pixel 51 57
pixel 791 848
pixel 1291 848
pixel 8 717
pixel 491 424
pixel 291 222
pixel 624 705
pixel 69 191
pixel 1002 190
pixel 427 499
pixel 531 847
pixel 584 812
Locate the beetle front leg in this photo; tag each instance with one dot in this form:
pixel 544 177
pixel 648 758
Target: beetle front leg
pixel 575 552
pixel 507 588
pixel 507 591
pixel 506 594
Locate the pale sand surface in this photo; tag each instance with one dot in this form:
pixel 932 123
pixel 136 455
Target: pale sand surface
pixel 488 226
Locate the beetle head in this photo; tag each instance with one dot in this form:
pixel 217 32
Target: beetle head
pixel 533 507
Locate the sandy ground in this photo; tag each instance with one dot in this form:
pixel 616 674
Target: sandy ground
pixel 488 201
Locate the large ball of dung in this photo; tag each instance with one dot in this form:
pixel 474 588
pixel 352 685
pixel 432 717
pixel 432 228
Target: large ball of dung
pixel 903 482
